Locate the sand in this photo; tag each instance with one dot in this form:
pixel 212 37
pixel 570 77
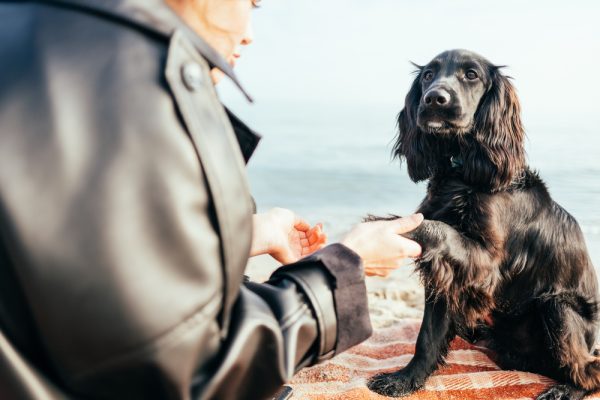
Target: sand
pixel 391 299
pixel 396 307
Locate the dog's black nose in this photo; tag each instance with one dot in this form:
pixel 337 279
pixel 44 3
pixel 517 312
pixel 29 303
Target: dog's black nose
pixel 437 97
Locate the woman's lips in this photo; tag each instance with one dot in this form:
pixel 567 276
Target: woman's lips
pixel 233 59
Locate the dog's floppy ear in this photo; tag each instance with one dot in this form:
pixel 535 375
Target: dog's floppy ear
pixel 496 155
pixel 412 144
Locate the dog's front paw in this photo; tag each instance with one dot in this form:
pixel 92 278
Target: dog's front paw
pixel 562 392
pixel 431 235
pixel 396 384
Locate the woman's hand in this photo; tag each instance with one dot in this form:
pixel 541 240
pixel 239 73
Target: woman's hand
pixel 287 238
pixel 381 245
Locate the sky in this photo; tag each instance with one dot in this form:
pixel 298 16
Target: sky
pixel 351 52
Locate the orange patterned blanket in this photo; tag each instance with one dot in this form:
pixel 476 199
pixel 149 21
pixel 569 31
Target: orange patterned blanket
pixel 469 374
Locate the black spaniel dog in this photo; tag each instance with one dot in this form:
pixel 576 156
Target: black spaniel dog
pixel 501 260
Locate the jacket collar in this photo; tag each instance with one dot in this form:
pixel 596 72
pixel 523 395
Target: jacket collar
pixel 153 16
pixel 246 137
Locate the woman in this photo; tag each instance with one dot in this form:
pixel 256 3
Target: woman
pixel 126 223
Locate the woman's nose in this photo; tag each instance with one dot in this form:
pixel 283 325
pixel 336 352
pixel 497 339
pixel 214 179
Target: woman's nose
pixel 248 35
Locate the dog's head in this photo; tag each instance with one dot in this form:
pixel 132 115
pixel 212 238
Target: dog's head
pixel 460 106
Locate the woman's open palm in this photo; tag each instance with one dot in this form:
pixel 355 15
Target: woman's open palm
pixel 295 238
pixel 287 238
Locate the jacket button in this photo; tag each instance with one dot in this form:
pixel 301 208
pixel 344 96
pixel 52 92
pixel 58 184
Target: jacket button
pixel 192 75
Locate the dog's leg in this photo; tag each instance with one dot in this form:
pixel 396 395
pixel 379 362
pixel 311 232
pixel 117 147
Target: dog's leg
pixel 565 335
pixel 474 263
pixel 463 270
pixel 432 345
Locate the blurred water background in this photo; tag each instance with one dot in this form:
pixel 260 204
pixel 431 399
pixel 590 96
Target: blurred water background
pixel 329 78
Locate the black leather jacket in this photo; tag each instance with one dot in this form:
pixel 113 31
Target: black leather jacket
pixel 125 220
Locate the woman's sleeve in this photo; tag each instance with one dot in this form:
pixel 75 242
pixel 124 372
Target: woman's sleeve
pixel 306 313
pixel 109 218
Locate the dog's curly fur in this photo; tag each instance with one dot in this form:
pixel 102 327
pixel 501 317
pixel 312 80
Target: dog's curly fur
pixel 501 260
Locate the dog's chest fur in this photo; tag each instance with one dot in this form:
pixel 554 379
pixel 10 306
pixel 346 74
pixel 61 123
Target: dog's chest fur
pixel 452 201
pixel 469 291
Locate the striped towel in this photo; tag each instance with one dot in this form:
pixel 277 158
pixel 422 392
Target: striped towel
pixel 469 373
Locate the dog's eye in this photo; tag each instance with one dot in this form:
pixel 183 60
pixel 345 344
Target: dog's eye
pixel 471 75
pixel 428 75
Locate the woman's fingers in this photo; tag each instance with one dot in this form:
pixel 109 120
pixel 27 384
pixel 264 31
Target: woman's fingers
pixel 301 225
pixel 319 243
pixel 407 224
pixel 312 239
pixel 381 245
pixel 382 267
pixel 306 250
pixel 375 270
pixel 408 248
pixel 314 234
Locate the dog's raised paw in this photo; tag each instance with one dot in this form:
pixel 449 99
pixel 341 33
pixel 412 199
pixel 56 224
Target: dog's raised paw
pixel 395 384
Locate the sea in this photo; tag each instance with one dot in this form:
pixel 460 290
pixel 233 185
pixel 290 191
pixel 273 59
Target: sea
pixel 333 165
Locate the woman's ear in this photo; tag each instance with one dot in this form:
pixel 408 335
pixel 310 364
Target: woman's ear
pixel 411 143
pixel 495 154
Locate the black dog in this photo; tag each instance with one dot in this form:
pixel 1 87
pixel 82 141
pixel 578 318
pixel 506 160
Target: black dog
pixel 501 260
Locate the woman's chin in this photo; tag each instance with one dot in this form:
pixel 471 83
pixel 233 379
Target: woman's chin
pixel 216 75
